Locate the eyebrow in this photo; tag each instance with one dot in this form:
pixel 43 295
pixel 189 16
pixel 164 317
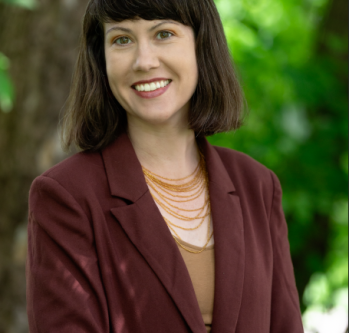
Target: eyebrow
pixel 130 31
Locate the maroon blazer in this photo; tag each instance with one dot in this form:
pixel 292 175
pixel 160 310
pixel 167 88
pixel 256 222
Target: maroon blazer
pixel 101 258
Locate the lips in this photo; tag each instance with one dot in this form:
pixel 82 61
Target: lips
pixel 151 94
pixel 149 81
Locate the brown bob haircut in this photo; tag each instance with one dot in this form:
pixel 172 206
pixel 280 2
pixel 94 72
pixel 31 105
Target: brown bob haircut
pixel 93 116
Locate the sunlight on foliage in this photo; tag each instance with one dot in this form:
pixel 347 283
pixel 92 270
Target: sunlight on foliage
pixel 319 318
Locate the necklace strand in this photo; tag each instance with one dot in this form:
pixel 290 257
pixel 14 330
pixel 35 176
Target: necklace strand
pixel 154 174
pixel 197 183
pixel 186 210
pixel 189 197
pixel 195 195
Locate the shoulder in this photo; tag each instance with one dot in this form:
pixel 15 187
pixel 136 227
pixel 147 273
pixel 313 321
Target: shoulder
pixel 78 165
pixel 77 177
pixel 242 163
pixel 251 178
pixel 76 169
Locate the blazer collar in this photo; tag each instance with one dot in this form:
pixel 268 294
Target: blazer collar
pixel 125 173
pixel 217 173
pixel 143 223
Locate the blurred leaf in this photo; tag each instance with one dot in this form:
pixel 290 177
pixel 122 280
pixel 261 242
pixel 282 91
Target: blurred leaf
pixel 6 93
pixel 4 62
pixel 344 162
pixel 6 87
pixel 318 290
pixel 340 212
pixel 29 4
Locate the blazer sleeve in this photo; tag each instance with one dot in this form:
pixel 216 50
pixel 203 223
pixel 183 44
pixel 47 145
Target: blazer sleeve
pixel 285 312
pixel 64 288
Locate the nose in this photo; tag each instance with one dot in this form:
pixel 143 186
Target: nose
pixel 146 58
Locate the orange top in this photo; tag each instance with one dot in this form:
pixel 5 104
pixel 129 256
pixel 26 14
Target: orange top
pixel 201 270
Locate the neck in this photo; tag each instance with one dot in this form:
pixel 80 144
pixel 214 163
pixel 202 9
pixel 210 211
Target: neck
pixel 170 152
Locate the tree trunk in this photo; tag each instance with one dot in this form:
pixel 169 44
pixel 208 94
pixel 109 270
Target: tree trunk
pixel 42 48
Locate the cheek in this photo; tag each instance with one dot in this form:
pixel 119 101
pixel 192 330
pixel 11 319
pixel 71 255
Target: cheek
pixel 194 69
pixel 112 71
pixel 114 68
pixel 190 69
pixel 189 61
pixel 184 65
pixel 113 76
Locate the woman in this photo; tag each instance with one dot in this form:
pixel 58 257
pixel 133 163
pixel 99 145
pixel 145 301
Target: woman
pixel 150 228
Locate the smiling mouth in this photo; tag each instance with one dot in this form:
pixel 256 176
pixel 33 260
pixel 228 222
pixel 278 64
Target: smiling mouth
pixel 153 86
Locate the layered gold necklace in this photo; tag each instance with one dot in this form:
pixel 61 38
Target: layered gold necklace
pixel 167 193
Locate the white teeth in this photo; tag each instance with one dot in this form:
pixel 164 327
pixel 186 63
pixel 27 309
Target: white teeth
pixel 152 86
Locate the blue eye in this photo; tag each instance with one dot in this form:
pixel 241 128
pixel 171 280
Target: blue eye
pixel 122 39
pixel 165 33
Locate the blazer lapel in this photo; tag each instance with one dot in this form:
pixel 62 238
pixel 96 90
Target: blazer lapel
pixel 229 243
pixel 144 225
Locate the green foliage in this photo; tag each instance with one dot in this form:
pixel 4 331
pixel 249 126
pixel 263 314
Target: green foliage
pixel 297 123
pixel 324 288
pixel 29 4
pixel 6 87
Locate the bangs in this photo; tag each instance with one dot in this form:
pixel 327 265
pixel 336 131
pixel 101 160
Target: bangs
pixel 186 12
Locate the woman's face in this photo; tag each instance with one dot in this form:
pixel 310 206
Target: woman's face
pixel 146 50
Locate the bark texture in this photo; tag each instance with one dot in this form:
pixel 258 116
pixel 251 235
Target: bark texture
pixel 42 47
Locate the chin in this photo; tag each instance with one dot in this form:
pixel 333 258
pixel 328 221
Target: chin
pixel 159 118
